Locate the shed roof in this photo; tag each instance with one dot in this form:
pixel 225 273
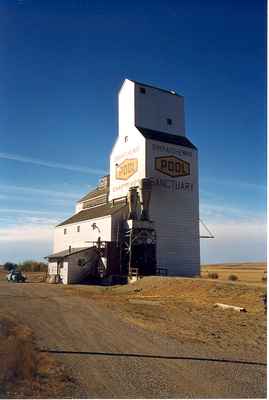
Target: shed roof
pixel 65 253
pixel 94 212
pixel 166 137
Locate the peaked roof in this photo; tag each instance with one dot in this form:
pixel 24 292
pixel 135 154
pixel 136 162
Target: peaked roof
pixel 166 137
pixel 94 212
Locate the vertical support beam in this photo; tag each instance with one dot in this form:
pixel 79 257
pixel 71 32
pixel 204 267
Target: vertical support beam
pixel 130 251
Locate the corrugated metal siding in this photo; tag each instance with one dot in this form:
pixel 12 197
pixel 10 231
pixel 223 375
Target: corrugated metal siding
pixel 175 212
pixel 177 234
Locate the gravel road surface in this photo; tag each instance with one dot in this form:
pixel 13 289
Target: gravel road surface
pixel 111 358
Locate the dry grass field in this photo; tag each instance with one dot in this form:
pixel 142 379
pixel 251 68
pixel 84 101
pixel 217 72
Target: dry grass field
pixel 180 309
pixel 2 275
pixel 25 372
pixel 245 272
pixel 184 308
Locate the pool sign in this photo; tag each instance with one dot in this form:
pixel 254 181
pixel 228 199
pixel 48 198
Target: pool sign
pixel 126 169
pixel 172 166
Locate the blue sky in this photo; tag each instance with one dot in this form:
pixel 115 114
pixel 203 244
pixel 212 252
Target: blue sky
pixel 61 65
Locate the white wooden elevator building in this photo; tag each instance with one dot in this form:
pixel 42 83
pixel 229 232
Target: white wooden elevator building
pixel 152 144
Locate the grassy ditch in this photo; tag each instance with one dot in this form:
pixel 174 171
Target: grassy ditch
pixel 25 372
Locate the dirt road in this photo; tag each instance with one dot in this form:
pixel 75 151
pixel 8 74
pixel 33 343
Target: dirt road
pixel 111 358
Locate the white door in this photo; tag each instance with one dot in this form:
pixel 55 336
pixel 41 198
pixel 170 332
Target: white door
pixel 64 272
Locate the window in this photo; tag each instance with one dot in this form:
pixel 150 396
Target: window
pixel 126 139
pixel 78 228
pixel 81 262
pixel 142 90
pixel 169 121
pixel 65 231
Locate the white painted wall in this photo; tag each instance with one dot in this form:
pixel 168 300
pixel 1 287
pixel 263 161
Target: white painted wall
pixel 78 239
pixel 133 148
pixel 174 203
pixel 126 107
pixel 154 107
pixel 150 109
pixel 175 210
pixel 76 271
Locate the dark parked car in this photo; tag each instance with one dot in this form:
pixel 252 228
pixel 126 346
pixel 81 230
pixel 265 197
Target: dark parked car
pixel 16 276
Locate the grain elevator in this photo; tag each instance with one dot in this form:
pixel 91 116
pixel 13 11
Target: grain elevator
pixel 145 213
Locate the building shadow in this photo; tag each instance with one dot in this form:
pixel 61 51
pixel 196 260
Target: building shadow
pixel 134 355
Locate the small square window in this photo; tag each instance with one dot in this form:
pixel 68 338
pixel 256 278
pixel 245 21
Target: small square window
pixel 169 121
pixel 78 228
pixel 65 231
pixel 81 262
pixel 142 90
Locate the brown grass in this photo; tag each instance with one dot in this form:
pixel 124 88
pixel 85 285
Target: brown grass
pixel 183 308
pixel 250 273
pixel 3 275
pixel 17 354
pixel 25 372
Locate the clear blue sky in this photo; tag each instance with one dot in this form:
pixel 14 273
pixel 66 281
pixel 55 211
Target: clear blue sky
pixel 61 65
